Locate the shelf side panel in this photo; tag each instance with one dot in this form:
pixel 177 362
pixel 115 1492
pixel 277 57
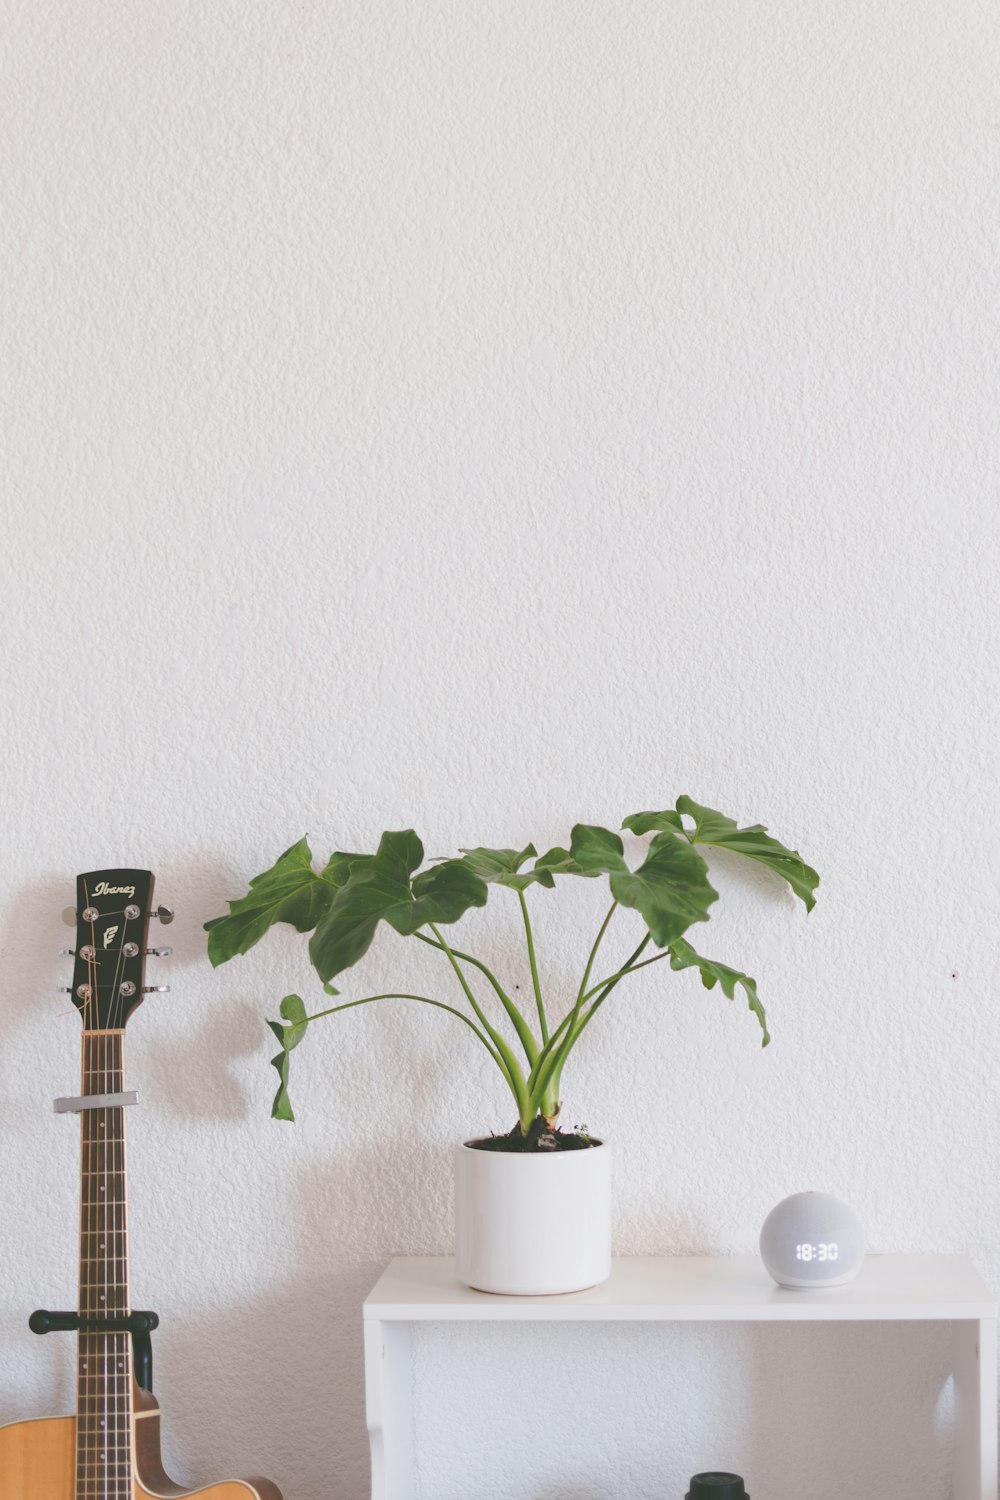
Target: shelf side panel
pixel 389 1409
pixel 975 1468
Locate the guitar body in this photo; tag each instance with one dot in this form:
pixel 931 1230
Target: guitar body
pixel 38 1462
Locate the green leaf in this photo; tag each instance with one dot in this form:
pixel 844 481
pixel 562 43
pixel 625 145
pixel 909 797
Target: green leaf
pixel 380 888
pixel 293 1011
pixel 290 891
pixel 654 822
pixel 719 832
pixel 502 866
pixel 338 867
pixel 397 855
pixel 441 894
pixel 670 889
pixel 592 851
pixel 281 1105
pixel 597 851
pixel 345 934
pixel 683 956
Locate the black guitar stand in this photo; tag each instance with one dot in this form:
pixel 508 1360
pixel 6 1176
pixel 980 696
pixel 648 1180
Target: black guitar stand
pixel 139 1324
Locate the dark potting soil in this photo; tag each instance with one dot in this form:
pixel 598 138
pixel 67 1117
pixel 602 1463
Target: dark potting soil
pixel 540 1139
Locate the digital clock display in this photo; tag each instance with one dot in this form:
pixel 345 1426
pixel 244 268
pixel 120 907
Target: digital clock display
pixel 821 1252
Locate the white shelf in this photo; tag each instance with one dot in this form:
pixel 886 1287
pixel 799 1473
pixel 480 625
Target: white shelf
pixel 694 1288
pixel 889 1288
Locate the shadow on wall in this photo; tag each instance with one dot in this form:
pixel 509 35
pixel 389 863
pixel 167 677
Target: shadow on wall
pixel 229 1030
pixel 812 1393
pixel 804 1413
pixel 277 1387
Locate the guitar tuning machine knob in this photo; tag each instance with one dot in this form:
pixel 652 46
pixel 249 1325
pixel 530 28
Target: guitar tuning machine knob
pixel 156 989
pixel 164 914
pixel 69 915
pixel 64 989
pixel 159 952
pixel 67 952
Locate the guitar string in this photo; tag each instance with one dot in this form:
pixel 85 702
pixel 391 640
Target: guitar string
pixel 123 1354
pixel 112 1271
pixel 97 1429
pixel 117 1012
pixel 115 1444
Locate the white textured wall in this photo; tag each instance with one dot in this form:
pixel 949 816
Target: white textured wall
pixel 487 416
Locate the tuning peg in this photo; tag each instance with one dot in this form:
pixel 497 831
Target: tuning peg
pixel 159 952
pixel 156 989
pixel 67 952
pixel 64 989
pixel 69 915
pixel 164 914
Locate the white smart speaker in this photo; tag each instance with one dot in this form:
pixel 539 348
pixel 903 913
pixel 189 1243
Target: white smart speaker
pixel 811 1240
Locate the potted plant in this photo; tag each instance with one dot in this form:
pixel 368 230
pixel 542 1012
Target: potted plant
pixel 532 1205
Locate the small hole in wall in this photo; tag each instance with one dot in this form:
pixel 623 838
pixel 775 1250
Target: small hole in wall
pixel 954 973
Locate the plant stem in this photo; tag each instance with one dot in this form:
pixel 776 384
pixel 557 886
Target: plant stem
pixel 629 966
pixel 608 985
pixel 547 1072
pixel 534 968
pixel 547 1097
pixel 520 1025
pixel 593 954
pixel 424 1000
pixel 511 1067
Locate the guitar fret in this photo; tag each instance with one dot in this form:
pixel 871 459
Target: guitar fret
pixel 104 1360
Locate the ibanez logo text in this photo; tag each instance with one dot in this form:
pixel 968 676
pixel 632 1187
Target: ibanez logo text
pixel 103 889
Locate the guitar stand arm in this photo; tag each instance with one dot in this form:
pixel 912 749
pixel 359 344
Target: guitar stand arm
pixel 139 1324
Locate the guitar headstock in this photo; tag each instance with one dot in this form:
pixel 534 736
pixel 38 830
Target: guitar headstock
pixel 113 911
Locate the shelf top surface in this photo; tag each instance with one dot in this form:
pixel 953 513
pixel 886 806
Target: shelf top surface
pixel 690 1288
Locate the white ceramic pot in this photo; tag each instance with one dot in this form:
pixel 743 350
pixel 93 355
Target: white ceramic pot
pixel 529 1224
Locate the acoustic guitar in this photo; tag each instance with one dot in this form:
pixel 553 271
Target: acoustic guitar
pixel 110 1450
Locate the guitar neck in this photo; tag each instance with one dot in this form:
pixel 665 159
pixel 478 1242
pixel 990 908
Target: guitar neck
pixel 104 1360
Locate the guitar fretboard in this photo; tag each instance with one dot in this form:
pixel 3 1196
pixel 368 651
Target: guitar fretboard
pixel 104 1373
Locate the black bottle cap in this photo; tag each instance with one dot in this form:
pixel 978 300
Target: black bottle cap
pixel 717 1487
